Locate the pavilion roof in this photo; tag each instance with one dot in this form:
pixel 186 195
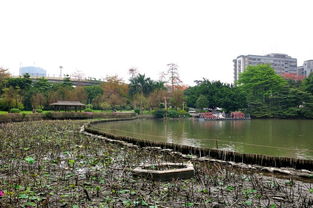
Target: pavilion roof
pixel 67 103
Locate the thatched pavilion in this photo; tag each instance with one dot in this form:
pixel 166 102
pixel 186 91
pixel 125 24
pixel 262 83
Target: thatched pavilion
pixel 68 105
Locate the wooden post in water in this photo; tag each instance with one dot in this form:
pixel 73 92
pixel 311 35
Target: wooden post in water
pixel 216 144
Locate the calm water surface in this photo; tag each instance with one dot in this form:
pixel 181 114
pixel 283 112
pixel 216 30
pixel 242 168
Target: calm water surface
pixel 290 138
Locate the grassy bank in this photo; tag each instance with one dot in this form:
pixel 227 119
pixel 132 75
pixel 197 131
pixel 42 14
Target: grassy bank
pixel 50 164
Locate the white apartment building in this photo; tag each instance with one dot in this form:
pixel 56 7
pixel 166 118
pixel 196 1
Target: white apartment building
pixel 306 69
pixel 281 63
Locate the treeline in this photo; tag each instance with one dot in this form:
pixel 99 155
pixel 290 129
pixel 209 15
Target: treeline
pixel 207 94
pixel 259 91
pixel 113 94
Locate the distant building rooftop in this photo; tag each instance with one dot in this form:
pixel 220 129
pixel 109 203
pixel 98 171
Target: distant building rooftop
pixel 278 55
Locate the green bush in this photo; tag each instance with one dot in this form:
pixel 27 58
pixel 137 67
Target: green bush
pixel 39 110
pixel 160 113
pixel 88 110
pixel 49 115
pixel 15 110
pixel 172 114
pixel 137 111
pixel 128 107
pixel 24 115
pixel 89 106
pixel 20 106
pixel 183 113
pixel 117 108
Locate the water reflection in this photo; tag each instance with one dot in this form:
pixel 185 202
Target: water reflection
pixel 290 138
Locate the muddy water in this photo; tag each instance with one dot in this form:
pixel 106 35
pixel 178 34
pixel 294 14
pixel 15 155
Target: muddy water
pixel 290 138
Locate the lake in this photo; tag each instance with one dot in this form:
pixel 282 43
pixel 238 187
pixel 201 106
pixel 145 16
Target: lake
pixel 288 138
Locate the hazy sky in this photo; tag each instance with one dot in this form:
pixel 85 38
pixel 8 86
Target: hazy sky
pixel 103 38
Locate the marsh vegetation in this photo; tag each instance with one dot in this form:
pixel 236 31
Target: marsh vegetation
pixel 51 164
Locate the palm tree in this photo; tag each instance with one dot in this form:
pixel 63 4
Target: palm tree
pixel 141 85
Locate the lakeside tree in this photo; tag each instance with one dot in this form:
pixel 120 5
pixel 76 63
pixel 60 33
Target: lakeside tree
pixel 261 85
pixel 139 101
pixel 140 84
pixel 215 94
pixel 115 94
pixel 307 84
pixel 260 82
pixel 140 90
pixel 171 76
pixel 269 95
pixel 157 98
pixel 174 77
pixel 177 98
pixel 202 102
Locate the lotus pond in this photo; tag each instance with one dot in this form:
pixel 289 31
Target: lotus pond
pixel 51 164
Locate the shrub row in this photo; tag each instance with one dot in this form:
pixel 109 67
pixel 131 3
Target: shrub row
pixel 16 117
pixel 171 113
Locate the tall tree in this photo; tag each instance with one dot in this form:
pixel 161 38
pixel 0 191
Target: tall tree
pixel 40 93
pixel 202 102
pixel 4 75
pixel 67 82
pixel 157 97
pixel 215 94
pixel 12 98
pixel 264 88
pixel 24 83
pixel 307 84
pixel 171 76
pixel 133 72
pixel 141 84
pixel 42 85
pixel 22 86
pixel 141 90
pixel 260 82
pixel 115 93
pixel 93 92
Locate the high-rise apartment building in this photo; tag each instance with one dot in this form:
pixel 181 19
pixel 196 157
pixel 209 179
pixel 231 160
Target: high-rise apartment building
pixel 281 63
pixel 306 69
pixel 301 71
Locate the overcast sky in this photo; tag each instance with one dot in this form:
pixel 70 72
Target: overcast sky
pixel 103 38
